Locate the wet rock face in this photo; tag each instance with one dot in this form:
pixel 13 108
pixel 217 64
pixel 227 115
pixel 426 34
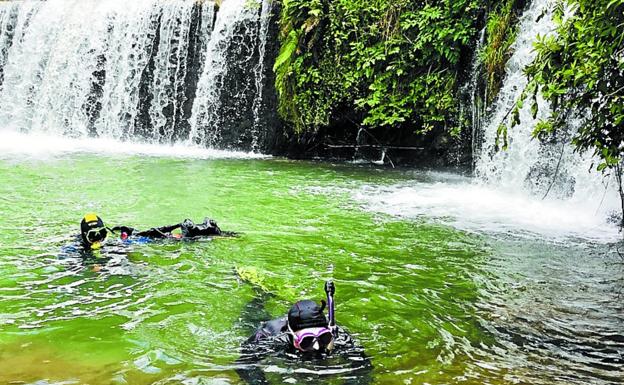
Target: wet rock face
pixel 193 64
pixel 177 109
pixel 247 117
pixel 269 139
pixel 143 124
pixel 235 102
pixel 234 118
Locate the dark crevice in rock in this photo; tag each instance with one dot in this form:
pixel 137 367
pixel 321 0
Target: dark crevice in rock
pixel 142 122
pixel 9 33
pixel 193 67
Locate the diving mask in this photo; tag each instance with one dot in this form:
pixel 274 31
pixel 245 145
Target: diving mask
pixel 312 339
pixel 96 235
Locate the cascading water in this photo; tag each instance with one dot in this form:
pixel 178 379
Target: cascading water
pixel 545 169
pixel 476 101
pixel 171 67
pixel 472 101
pixel 265 18
pixel 161 71
pixel 502 167
pixel 7 25
pixel 533 187
pixel 221 92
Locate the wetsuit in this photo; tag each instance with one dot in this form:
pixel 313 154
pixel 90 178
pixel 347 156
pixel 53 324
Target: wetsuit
pixel 130 235
pixel 77 248
pixel 189 230
pixel 268 356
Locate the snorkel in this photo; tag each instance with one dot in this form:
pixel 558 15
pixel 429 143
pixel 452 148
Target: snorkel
pixel 330 289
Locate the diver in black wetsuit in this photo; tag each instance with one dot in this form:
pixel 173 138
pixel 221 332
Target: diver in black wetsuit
pixel 307 339
pixel 189 230
pixel 93 232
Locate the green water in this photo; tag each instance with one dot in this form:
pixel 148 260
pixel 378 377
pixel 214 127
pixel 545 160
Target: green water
pixel 429 304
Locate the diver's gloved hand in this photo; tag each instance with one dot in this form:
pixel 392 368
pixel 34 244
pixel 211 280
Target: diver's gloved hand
pixel 211 226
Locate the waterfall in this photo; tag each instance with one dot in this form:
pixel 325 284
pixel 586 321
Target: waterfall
pixel 531 190
pixel 225 85
pixel 156 71
pixel 547 170
pixel 265 18
pixel 472 102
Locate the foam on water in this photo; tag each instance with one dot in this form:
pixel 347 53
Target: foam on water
pixel 476 207
pixel 41 146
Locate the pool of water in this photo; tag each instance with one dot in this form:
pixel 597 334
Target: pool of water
pixel 430 301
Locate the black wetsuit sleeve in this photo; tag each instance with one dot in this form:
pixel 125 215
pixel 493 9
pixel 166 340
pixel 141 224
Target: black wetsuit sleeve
pixel 158 232
pixel 266 340
pixel 208 228
pixel 262 340
pixel 248 364
pixel 124 229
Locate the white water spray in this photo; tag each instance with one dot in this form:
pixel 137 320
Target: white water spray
pixel 230 49
pixel 131 71
pixel 511 167
pixel 546 170
pixel 40 146
pixel 532 188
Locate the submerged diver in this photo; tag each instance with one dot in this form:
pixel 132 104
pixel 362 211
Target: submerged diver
pixel 305 337
pixel 93 231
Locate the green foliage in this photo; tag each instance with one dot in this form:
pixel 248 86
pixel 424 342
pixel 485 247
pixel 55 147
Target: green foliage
pixel 389 63
pixel 501 134
pixel 580 71
pixel 298 21
pixel 501 32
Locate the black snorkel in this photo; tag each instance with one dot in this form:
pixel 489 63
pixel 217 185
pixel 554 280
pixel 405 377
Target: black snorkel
pixel 330 289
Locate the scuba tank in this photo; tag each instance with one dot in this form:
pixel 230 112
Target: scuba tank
pixel 209 227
